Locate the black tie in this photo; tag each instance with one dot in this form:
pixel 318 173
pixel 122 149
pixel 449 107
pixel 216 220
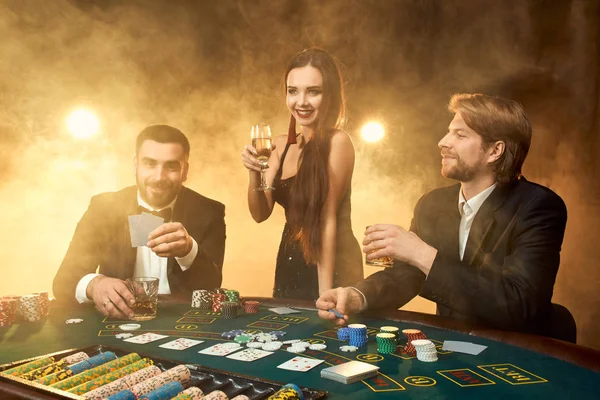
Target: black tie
pixel 165 213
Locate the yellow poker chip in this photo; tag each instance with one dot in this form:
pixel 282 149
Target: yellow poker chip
pixel 129 327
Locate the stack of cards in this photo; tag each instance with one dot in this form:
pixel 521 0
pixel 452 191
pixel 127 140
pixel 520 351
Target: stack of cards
pixel 350 372
pixel 140 227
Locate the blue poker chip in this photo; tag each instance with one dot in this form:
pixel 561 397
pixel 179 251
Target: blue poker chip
pixel 238 331
pixel 343 334
pixel 229 335
pixel 279 334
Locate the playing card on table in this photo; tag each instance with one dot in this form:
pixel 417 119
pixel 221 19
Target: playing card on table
pixel 301 364
pixel 145 338
pixel 221 349
pixel 180 344
pixel 283 310
pixel 250 355
pixel 140 227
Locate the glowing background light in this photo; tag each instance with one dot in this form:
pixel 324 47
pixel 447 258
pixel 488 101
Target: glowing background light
pixel 372 132
pixel 82 124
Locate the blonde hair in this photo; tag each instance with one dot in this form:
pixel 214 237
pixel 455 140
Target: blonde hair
pixel 497 119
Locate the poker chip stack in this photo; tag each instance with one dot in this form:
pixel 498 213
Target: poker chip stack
pixel 191 393
pixel 343 334
pixel 425 350
pixel 287 392
pixel 44 303
pixel 217 302
pixel 232 295
pixel 390 329
pixel 31 307
pixel 229 309
pixel 8 311
pixel 386 343
pixel 179 374
pixel 166 391
pixel 412 334
pixel 202 299
pixel 251 306
pixel 357 334
pixel 124 383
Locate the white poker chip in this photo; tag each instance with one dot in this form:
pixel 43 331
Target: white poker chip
pixel 296 350
pixel 272 346
pixel 349 348
pixel 74 321
pixel 306 345
pixel 292 341
pixel 317 346
pixel 129 327
pixel 254 345
pixel 123 335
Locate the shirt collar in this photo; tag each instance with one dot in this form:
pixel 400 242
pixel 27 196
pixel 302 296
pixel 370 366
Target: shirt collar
pixel 142 203
pixel 474 203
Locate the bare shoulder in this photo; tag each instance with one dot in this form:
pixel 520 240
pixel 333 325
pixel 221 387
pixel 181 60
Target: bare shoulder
pixel 341 142
pixel 280 142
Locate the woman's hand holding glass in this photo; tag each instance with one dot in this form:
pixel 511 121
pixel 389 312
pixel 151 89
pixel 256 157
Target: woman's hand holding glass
pixel 255 157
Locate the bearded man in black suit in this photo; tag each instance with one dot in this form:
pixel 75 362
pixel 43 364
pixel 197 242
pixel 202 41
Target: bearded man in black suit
pixel 486 250
pixel 185 252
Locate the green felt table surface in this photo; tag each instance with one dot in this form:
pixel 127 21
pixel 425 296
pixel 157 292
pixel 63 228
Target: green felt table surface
pixel 501 371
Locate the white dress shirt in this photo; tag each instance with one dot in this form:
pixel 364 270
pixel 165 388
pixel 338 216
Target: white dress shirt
pixel 468 209
pixel 147 263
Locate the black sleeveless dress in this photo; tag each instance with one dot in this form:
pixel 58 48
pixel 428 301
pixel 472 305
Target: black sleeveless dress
pixel 294 277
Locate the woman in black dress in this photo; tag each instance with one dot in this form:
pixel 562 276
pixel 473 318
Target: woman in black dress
pixel 311 173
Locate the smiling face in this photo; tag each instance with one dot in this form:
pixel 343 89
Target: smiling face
pixel 464 157
pixel 160 170
pixel 305 95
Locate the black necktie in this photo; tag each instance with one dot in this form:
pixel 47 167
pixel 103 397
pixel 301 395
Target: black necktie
pixel 165 213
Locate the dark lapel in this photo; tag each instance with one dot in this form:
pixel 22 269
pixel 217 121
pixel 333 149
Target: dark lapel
pixel 130 208
pixel 484 223
pixel 447 223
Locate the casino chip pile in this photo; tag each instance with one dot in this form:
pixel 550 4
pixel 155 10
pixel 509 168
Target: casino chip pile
pixel 131 377
pixel 412 334
pixel 29 308
pixel 426 350
pixel 225 301
pixel 355 334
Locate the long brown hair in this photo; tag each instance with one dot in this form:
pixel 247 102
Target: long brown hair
pixel 497 119
pixel 311 186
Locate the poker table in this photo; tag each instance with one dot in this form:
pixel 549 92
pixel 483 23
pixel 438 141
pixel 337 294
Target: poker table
pixel 512 366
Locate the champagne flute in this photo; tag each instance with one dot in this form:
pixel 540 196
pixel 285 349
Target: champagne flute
pixel 261 141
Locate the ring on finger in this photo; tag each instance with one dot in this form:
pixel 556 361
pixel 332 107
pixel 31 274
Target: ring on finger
pixel 106 302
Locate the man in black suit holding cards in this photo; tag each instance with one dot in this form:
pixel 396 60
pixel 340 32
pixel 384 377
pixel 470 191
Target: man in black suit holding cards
pixel 185 252
pixel 486 250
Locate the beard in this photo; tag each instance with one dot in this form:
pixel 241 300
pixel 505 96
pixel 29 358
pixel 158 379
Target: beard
pixel 460 171
pixel 158 194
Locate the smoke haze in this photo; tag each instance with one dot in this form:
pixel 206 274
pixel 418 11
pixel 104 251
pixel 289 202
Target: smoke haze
pixel 212 69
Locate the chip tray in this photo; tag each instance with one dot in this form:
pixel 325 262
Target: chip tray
pixel 205 378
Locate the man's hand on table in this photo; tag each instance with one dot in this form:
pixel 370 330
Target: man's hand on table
pixel 345 300
pixel 111 296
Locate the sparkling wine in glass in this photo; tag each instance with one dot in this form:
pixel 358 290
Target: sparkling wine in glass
pixel 261 141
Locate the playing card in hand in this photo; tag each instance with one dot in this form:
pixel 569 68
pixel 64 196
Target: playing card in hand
pixel 140 227
pixel 180 344
pixel 301 364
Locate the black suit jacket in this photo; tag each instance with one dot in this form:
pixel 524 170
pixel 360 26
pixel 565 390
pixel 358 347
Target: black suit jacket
pixel 102 241
pixel 507 274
